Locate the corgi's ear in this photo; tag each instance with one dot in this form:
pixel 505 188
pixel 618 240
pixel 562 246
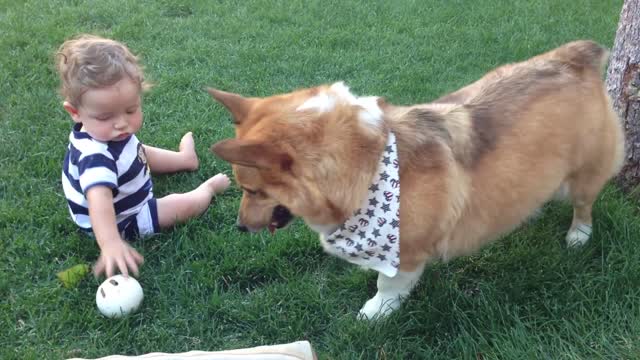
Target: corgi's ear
pixel 236 104
pixel 253 154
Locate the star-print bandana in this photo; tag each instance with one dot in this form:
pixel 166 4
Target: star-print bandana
pixel 371 237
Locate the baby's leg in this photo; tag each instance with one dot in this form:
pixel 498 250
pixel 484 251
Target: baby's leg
pixel 177 208
pixel 167 161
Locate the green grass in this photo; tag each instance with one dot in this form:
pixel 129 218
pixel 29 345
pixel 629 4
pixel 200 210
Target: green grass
pixel 209 287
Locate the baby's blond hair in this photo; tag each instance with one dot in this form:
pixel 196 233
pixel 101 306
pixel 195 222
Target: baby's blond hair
pixel 89 62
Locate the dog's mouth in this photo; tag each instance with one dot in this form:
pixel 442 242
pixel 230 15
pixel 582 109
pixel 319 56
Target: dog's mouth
pixel 280 218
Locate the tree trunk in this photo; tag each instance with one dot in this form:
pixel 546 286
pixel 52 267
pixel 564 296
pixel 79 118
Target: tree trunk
pixel 623 84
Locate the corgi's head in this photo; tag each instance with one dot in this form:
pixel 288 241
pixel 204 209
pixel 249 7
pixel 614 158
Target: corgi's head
pixel 289 155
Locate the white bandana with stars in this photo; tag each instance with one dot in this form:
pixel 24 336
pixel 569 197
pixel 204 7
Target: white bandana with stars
pixel 371 237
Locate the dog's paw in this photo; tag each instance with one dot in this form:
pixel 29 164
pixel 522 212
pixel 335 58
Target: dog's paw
pixel 579 235
pixel 378 307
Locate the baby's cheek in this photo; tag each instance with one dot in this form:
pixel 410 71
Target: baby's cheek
pixel 139 122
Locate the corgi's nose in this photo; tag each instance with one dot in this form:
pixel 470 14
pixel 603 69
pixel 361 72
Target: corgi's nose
pixel 240 226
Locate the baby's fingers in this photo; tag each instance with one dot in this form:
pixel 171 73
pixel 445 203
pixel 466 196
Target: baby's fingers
pixel 122 266
pixel 137 257
pixel 109 268
pixel 98 267
pixel 131 262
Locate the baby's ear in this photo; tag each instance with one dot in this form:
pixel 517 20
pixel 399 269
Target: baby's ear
pixel 73 112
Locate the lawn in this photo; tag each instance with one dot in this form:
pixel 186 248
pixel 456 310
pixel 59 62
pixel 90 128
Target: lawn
pixel 209 287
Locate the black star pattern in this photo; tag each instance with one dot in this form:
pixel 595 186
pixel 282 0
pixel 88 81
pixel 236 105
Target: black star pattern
pixel 364 239
pixel 370 213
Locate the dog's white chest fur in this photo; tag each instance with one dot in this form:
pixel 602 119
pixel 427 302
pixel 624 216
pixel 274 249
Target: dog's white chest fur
pixel 371 237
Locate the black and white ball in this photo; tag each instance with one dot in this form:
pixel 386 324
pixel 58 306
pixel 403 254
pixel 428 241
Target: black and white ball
pixel 119 296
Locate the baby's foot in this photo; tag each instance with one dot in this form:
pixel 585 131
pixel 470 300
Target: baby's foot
pixel 188 150
pixel 217 184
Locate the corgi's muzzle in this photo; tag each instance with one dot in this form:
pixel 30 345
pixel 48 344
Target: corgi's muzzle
pixel 280 217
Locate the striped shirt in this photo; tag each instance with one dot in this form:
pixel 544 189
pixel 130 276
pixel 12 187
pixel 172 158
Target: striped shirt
pixel 119 165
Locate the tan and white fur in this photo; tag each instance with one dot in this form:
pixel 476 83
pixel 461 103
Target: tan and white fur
pixel 474 164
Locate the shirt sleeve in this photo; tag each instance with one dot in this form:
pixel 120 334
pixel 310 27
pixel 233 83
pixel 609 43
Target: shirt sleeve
pixel 97 169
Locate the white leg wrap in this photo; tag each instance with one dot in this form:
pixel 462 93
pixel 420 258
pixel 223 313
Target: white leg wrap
pixel 390 293
pixel 578 235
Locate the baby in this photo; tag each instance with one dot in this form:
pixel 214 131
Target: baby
pixel 106 168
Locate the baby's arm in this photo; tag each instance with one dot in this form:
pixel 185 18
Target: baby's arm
pixel 113 250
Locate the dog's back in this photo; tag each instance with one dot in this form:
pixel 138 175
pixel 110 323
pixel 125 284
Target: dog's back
pixel 502 146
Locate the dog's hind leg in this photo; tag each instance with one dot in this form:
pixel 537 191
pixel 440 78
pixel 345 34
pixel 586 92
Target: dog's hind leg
pixel 584 188
pixel 390 293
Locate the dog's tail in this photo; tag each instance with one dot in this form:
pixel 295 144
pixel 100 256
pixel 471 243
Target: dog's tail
pixel 582 54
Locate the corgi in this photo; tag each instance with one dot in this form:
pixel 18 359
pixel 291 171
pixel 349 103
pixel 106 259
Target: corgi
pixel 392 188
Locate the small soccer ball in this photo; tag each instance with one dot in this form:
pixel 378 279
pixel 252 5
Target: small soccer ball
pixel 119 296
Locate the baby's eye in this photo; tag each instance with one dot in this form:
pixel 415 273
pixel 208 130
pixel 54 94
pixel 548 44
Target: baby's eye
pixel 103 117
pixel 133 109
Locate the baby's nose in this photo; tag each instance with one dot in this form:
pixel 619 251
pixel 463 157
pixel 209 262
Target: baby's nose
pixel 120 123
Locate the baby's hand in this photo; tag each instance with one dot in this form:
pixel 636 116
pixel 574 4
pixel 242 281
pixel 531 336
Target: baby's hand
pixel 120 254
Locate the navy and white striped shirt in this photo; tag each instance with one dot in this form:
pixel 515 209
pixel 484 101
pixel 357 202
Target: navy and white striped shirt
pixel 119 165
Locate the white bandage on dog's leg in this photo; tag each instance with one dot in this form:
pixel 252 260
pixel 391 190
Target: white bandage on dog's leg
pixel 390 293
pixel 579 235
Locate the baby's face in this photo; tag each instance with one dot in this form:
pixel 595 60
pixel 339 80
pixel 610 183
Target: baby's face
pixel 111 113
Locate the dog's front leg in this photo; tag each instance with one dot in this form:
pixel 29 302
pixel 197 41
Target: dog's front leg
pixel 390 293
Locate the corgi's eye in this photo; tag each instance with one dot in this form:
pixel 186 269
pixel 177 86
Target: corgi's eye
pixel 249 191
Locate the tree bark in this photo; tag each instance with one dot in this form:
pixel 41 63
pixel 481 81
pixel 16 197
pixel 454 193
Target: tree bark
pixel 623 84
